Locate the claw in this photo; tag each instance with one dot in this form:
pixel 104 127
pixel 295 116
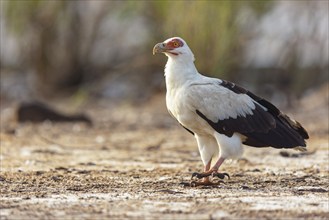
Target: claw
pixel 220 175
pixel 185 184
pixel 193 184
pixel 200 175
pixel 195 174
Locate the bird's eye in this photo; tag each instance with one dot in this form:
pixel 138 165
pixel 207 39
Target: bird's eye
pixel 176 44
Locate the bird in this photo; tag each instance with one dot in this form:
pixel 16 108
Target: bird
pixel 220 114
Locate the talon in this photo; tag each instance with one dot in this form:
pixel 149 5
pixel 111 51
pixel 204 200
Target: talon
pixel 195 174
pixel 200 175
pixel 185 184
pixel 193 184
pixel 220 175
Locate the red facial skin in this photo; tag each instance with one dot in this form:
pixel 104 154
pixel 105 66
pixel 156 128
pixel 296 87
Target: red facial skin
pixel 174 43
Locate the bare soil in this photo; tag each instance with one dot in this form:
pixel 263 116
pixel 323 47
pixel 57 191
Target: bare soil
pixel 134 161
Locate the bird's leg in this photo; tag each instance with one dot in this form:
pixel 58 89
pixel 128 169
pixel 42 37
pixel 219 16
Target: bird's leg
pixel 205 177
pixel 206 168
pixel 204 174
pixel 211 172
pixel 207 173
pixel 214 169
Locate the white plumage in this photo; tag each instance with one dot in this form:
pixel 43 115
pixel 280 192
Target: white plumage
pixel 220 114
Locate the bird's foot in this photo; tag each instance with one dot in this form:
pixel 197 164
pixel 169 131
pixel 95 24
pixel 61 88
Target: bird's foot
pixel 212 173
pixel 220 175
pixel 201 175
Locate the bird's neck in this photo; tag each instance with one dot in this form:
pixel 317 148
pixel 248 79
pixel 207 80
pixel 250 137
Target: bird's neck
pixel 179 72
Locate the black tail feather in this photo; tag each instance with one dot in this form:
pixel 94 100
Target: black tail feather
pixel 282 136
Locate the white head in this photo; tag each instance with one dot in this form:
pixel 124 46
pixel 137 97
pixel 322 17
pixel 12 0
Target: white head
pixel 174 48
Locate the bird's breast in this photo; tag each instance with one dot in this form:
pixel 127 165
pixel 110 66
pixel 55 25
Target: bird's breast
pixel 174 102
pixel 179 107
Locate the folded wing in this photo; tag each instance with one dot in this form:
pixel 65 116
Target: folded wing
pixel 229 108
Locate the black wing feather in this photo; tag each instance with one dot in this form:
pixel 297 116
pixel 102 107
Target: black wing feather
pixel 262 128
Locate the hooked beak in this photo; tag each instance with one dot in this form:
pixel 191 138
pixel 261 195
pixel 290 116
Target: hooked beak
pixel 159 48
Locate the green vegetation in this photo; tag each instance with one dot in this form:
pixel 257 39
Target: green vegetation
pixel 56 43
pixel 20 13
pixel 210 28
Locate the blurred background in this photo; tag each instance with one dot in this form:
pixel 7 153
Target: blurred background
pixel 90 62
pixel 88 51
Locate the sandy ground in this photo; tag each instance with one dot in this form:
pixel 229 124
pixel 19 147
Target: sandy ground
pixel 134 161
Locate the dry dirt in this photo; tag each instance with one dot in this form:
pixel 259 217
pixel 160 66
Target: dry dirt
pixel 133 161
